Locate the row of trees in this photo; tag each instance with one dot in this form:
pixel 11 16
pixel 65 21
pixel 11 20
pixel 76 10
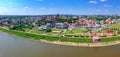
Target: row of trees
pixel 21 26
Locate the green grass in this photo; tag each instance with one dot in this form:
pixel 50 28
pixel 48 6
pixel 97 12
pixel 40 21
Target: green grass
pixel 49 38
pixel 36 31
pixel 115 26
pixel 26 29
pixel 110 39
pixel 55 38
pixel 76 31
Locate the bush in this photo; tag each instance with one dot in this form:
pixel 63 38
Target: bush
pixel 49 30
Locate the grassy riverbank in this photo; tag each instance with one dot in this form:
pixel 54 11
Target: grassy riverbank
pixel 61 39
pixel 48 38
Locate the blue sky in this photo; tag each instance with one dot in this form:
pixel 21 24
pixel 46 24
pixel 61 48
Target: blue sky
pixel 44 7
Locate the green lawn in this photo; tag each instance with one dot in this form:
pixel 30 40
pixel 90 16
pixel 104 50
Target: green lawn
pixel 56 38
pixel 36 31
pixel 76 31
pixel 114 26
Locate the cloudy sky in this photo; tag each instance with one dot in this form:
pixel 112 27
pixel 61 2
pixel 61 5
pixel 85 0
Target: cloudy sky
pixel 44 7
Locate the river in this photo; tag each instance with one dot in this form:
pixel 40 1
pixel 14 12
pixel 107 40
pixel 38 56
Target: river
pixel 13 46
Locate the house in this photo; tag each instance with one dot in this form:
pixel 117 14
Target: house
pixel 50 25
pixel 42 28
pixel 108 21
pixel 6 22
pixel 61 26
pixel 35 24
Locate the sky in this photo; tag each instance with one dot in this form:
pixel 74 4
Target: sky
pixel 46 7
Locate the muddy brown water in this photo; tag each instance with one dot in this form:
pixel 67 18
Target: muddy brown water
pixel 13 46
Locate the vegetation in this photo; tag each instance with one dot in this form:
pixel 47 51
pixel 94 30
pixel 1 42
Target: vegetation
pixel 49 30
pixel 22 26
pixel 53 38
pixel 114 26
pixel 77 31
pixel 44 37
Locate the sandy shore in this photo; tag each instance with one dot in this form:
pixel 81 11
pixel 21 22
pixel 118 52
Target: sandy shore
pixel 83 44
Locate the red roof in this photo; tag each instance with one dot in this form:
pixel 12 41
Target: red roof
pixel 100 34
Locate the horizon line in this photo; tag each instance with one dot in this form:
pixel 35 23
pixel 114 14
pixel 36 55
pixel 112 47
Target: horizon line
pixel 53 14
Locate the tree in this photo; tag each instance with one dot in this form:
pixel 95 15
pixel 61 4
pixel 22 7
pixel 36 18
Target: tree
pixel 69 20
pixel 48 30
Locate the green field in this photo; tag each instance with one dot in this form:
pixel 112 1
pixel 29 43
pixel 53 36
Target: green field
pixel 55 38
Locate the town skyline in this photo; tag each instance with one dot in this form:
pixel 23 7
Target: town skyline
pixel 47 7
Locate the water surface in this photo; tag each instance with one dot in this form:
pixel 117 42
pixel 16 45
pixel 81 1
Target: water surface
pixel 13 46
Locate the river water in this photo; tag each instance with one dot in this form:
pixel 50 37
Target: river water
pixel 13 46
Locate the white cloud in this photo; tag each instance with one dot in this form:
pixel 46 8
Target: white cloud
pixel 26 8
pixel 93 2
pixel 99 10
pixel 43 8
pixel 40 0
pixel 4 11
pixel 103 0
pixel 106 5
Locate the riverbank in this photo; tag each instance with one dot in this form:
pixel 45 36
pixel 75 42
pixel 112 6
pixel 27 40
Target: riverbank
pixel 85 42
